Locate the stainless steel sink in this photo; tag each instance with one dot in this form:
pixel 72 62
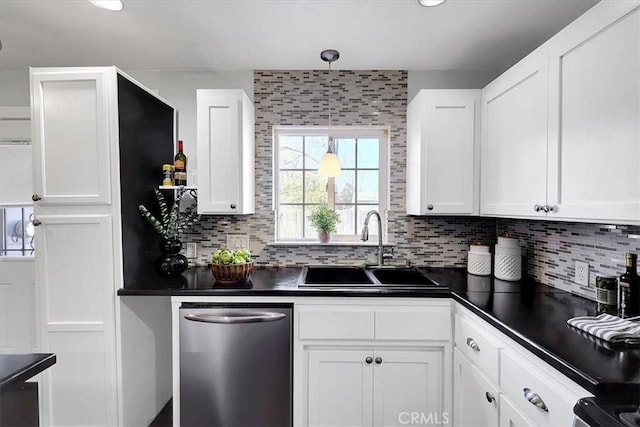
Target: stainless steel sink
pixel 341 277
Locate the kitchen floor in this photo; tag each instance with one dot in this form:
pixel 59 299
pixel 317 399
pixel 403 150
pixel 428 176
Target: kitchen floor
pixel 165 417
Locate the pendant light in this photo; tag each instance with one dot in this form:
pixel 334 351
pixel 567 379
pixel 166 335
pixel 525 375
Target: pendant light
pixel 329 164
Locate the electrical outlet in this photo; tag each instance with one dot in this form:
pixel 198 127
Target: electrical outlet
pixel 582 273
pixel 192 250
pixel 237 241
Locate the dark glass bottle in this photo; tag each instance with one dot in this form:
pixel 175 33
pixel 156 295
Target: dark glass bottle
pixel 180 166
pixel 629 289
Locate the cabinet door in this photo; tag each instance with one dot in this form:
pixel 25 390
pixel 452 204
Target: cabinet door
pixel 72 135
pixel 75 294
pixel 475 401
pixel 17 305
pixel 510 416
pixel 340 388
pixel 514 140
pixel 225 152
pixel 441 155
pixel 408 384
pixel 594 105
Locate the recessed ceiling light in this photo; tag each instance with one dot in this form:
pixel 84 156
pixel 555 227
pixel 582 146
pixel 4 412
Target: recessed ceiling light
pixel 429 3
pixel 113 5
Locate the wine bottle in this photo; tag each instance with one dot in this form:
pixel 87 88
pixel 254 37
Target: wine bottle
pixel 629 288
pixel 180 166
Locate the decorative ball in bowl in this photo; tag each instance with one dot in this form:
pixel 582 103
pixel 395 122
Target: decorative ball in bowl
pixel 231 267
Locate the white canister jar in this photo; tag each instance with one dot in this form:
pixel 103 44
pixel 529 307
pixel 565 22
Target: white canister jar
pixel 479 260
pixel 508 261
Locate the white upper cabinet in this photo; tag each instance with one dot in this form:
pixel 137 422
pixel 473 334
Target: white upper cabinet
pixel 561 128
pixel 514 140
pixel 442 167
pixel 594 116
pixel 226 179
pixel 71 127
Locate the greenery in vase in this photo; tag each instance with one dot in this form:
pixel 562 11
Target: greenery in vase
pixel 173 222
pixel 324 219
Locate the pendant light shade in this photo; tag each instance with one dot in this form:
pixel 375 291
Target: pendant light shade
pixel 329 163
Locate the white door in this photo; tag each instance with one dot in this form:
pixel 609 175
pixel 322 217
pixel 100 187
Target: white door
pixel 340 390
pixel 71 131
pixel 510 416
pixel 75 299
pixel 449 148
pixel 17 305
pixel 475 401
pixel 408 386
pixel 594 138
pixel 514 140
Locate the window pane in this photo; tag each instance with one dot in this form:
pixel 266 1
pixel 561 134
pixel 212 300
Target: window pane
pixel 347 223
pixel 373 221
pixel 291 187
pixel 368 153
pixel 346 152
pixel 309 230
pixel 345 187
pixel 368 187
pixel 315 188
pixel 291 152
pixel 290 222
pixel 315 147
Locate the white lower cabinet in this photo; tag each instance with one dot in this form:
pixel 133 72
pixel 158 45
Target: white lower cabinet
pixel 510 416
pixel 475 398
pixel 355 374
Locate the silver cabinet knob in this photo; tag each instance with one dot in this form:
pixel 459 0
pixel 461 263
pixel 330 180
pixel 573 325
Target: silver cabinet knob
pixel 490 397
pixel 233 205
pixel 430 207
pixel 551 208
pixel 538 208
pixel 36 222
pixel 35 197
pixel 535 399
pixel 473 344
pixel 369 360
pixel 378 360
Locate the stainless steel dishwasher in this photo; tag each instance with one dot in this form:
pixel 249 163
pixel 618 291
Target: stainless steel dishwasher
pixel 236 365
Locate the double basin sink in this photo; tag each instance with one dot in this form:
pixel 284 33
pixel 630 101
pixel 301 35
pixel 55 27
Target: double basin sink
pixel 365 277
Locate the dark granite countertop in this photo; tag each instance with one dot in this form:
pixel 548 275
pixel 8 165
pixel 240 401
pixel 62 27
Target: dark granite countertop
pixel 531 314
pixel 17 368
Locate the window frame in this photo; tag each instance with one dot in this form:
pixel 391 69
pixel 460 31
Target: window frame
pixel 340 132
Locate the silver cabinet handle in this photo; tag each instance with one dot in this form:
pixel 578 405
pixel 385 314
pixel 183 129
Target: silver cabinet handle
pixel 36 222
pixel 369 360
pixel 473 344
pixel 538 208
pixel 236 317
pixel 35 197
pixel 378 360
pixel 490 397
pixel 233 205
pixel 430 207
pixel 550 208
pixel 535 399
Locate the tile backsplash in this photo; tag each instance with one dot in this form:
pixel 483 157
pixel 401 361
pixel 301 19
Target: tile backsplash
pixel 552 248
pixel 377 98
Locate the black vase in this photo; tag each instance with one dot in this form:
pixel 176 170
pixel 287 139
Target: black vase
pixel 171 263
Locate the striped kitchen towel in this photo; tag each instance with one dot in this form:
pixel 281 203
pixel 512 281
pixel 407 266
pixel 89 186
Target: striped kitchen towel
pixel 609 328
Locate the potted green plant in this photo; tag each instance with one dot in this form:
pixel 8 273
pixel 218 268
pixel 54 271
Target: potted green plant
pixel 324 219
pixel 171 224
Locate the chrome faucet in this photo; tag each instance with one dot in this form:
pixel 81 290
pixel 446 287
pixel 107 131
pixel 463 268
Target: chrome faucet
pixel 365 236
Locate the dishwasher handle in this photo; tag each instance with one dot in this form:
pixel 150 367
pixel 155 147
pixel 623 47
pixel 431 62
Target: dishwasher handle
pixel 236 316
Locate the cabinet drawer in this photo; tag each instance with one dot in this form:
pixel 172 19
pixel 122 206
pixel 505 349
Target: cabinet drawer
pixel 478 346
pixel 336 323
pixel 525 382
pixel 413 323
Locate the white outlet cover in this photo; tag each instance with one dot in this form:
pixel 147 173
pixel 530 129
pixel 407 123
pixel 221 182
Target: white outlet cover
pixel 237 241
pixel 582 273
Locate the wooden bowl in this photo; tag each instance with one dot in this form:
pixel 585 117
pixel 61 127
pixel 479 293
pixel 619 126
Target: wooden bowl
pixel 231 273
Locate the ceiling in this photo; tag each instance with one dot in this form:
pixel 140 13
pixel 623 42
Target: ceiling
pixel 225 35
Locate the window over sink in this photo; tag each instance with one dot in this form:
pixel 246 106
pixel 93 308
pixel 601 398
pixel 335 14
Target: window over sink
pixel 360 187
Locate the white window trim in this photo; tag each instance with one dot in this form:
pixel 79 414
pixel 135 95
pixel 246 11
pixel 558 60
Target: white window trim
pixel 340 132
